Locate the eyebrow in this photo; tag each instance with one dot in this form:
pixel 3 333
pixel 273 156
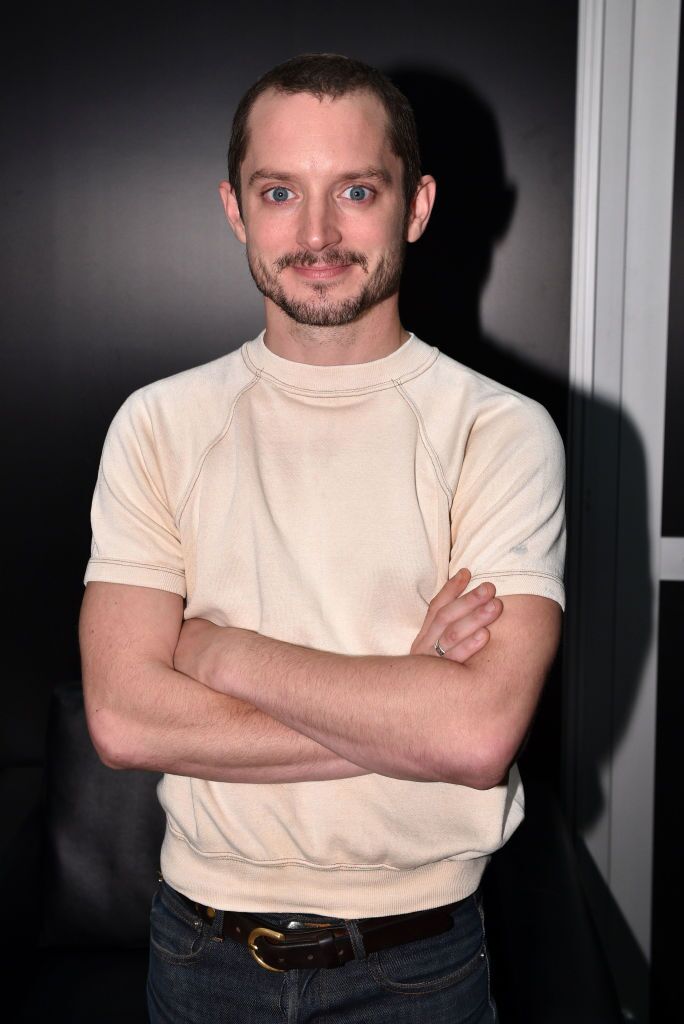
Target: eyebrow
pixel 379 173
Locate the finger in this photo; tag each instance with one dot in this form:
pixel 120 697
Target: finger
pixel 471 645
pixel 452 589
pixel 460 629
pixel 440 618
pixel 455 610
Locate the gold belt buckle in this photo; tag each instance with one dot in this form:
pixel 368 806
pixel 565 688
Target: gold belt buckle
pixel 251 942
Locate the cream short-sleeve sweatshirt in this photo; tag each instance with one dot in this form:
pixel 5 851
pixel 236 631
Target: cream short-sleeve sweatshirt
pixel 325 506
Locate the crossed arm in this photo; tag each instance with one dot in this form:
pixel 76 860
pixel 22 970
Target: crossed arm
pixel 321 716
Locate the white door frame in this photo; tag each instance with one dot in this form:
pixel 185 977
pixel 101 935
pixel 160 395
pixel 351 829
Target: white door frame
pixel 624 146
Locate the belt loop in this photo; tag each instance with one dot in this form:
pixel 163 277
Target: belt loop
pixel 213 921
pixel 356 939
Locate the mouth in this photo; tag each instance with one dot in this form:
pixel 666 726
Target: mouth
pixel 322 273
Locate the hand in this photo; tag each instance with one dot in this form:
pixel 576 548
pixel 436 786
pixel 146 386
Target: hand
pixel 194 643
pixel 459 621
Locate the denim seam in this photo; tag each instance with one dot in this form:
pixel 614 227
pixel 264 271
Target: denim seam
pixel 179 959
pixel 182 913
pixel 492 1007
pixel 356 939
pixel 176 905
pixel 418 988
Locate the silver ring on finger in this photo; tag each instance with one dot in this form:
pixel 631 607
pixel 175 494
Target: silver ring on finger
pixel 440 650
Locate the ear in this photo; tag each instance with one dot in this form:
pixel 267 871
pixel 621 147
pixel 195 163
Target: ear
pixel 421 208
pixel 233 215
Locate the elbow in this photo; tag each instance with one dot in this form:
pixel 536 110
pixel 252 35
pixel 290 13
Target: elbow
pixel 482 765
pixel 110 738
pixel 482 777
pixel 489 776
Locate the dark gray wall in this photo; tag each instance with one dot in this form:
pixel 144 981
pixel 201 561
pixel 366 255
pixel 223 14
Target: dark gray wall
pixel 119 268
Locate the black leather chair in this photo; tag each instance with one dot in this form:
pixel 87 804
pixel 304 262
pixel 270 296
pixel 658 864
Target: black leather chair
pixel 80 867
pixel 87 854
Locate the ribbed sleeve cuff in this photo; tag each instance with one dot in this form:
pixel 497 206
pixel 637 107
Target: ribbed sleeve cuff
pixel 508 583
pixel 103 570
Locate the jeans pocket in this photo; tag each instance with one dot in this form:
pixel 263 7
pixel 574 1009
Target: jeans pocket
pixel 177 934
pixel 428 965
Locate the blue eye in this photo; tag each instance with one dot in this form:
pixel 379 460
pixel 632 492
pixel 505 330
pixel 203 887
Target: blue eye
pixel 357 192
pixel 279 194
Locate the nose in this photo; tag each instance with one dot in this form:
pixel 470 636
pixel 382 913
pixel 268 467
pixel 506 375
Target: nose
pixel 318 226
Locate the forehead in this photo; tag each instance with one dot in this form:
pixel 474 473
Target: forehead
pixel 299 131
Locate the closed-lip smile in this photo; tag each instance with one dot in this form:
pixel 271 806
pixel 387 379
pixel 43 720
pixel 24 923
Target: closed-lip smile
pixel 322 273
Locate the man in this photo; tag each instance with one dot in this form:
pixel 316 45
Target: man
pixel 312 496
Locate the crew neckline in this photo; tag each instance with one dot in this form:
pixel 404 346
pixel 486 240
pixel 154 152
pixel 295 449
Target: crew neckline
pixel 411 358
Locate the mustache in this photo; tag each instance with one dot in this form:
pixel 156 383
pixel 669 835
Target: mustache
pixel 335 257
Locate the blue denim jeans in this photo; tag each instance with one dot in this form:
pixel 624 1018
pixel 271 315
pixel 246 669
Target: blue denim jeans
pixel 195 978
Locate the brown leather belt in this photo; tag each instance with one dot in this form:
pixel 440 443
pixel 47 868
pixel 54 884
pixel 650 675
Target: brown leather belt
pixel 317 944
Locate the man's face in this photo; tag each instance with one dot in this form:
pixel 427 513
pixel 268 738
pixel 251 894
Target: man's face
pixel 323 211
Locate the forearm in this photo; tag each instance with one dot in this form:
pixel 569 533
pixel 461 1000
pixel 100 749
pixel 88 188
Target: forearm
pixel 409 717
pixel 168 722
pixel 144 714
pixel 389 714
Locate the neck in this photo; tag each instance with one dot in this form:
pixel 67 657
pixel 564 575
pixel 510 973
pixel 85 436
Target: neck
pixel 375 334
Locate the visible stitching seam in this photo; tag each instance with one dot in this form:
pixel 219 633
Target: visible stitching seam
pixel 492 1005
pixel 517 572
pixel 138 565
pixel 427 443
pixel 338 392
pixel 465 858
pixel 212 444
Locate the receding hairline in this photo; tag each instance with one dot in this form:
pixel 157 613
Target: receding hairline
pixel 274 91
pixel 331 75
pixel 320 96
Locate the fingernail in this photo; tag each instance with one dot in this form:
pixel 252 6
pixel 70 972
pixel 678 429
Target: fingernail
pixel 490 606
pixel 482 590
pixel 480 635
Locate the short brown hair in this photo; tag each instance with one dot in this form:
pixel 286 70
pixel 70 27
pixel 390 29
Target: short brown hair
pixel 331 74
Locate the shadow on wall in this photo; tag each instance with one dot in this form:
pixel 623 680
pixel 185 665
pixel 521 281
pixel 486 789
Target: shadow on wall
pixel 441 296
pixel 445 277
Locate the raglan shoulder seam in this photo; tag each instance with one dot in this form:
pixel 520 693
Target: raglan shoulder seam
pixel 182 505
pixel 425 438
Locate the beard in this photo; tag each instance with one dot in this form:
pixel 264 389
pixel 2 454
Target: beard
pixel 323 310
